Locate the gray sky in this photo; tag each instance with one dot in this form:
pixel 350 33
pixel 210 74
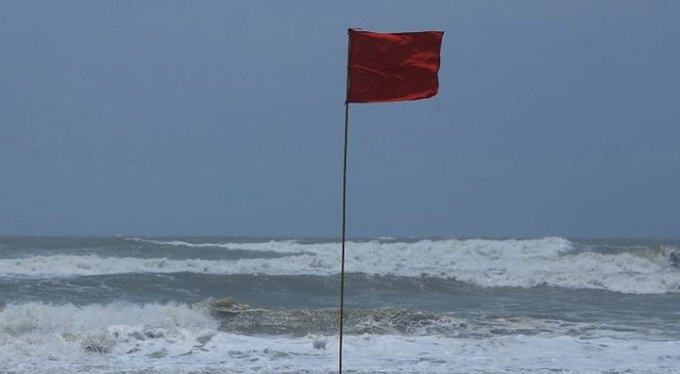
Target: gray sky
pixel 226 118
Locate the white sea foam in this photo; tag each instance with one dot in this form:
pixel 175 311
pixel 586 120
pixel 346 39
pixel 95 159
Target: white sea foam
pixel 116 338
pixel 486 263
pixel 280 246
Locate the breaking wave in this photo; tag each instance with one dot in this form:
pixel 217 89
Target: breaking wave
pixel 553 262
pixel 179 338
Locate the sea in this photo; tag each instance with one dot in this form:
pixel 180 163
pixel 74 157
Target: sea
pixel 142 305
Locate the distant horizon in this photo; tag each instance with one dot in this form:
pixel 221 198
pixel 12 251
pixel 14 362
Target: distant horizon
pixel 349 238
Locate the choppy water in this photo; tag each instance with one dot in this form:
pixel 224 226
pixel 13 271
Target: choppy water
pixel 142 305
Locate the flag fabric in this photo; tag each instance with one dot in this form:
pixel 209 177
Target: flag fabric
pixel 386 67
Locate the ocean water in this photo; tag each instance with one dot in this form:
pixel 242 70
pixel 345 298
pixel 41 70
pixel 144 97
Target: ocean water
pixel 157 305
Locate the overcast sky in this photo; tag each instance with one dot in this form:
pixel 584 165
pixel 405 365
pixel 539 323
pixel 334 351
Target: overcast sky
pixel 226 118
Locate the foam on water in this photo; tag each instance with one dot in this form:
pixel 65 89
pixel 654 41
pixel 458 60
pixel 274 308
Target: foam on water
pixel 175 338
pixel 485 263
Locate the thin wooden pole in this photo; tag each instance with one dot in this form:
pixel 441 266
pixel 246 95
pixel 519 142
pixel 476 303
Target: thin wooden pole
pixel 344 217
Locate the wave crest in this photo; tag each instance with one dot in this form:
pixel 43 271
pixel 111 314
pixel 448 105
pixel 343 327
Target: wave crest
pixel 551 262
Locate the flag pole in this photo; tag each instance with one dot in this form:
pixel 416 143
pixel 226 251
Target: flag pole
pixel 342 263
pixel 407 64
pixel 344 214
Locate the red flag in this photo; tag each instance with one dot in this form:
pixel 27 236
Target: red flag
pixel 393 66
